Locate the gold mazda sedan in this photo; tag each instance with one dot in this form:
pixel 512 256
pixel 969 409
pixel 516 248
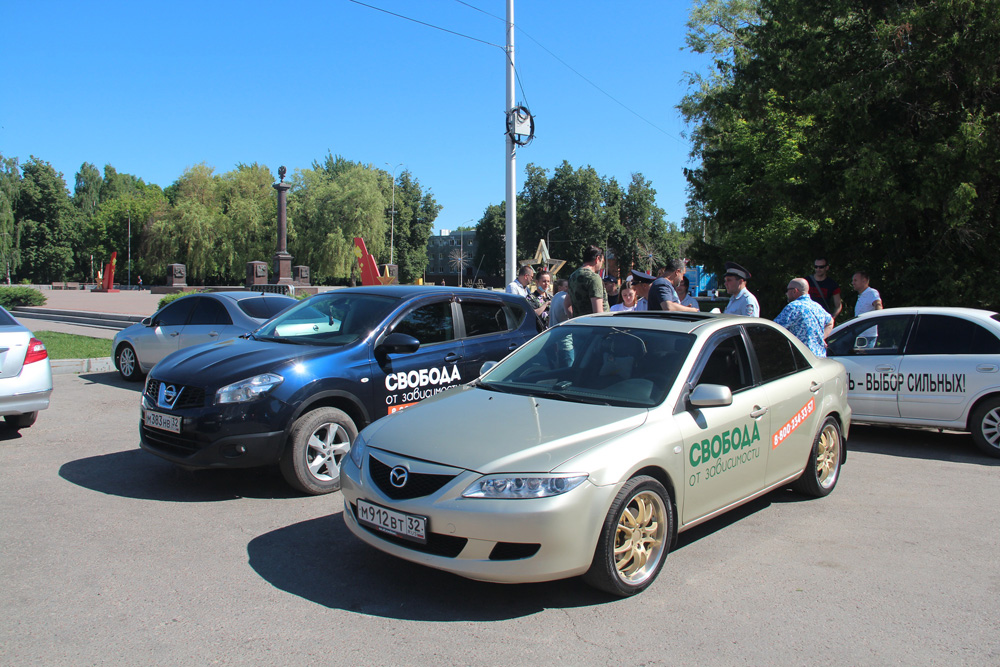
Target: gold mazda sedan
pixel 588 450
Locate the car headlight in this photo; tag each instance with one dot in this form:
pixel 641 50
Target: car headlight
pixel 358 448
pixel 249 389
pixel 534 486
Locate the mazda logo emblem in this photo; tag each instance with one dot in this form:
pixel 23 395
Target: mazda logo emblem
pixel 398 476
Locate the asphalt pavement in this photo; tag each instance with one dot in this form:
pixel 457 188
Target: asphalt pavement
pixel 111 556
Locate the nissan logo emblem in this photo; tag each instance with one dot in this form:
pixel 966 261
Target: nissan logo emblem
pixel 398 476
pixel 168 394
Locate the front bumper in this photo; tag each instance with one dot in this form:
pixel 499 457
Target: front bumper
pixel 506 541
pixel 233 436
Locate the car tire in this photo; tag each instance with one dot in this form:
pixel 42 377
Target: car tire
pixel 127 363
pixel 21 421
pixel 318 441
pixel 823 469
pixel 635 538
pixel 985 426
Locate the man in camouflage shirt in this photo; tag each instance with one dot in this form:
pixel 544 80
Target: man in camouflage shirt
pixel 586 289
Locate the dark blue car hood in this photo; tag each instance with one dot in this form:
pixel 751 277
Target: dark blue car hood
pixel 219 364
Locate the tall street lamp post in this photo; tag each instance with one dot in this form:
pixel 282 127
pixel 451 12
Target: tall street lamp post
pixel 392 213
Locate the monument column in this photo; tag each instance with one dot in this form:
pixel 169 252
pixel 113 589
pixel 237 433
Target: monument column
pixel 282 260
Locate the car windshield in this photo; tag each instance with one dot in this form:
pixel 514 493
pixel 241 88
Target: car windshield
pixel 328 319
pixel 608 365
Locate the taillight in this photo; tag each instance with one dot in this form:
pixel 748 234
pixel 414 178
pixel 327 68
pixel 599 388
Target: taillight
pixel 36 351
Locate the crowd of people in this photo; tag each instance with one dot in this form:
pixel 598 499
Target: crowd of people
pixel 814 301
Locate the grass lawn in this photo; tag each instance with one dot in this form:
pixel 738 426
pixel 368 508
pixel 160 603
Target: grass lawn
pixel 71 346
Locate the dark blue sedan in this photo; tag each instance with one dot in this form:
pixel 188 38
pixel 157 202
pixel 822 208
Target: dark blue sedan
pixel 296 391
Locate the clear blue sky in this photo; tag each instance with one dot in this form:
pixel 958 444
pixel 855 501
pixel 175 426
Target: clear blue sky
pixel 155 87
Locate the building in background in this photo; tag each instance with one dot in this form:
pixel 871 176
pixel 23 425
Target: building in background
pixel 450 255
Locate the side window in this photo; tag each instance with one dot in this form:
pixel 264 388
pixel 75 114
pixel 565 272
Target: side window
pixel 265 307
pixel 874 336
pixel 176 314
pixel 728 365
pixel 210 312
pixel 775 354
pixel 483 318
pixel 944 334
pixel 429 324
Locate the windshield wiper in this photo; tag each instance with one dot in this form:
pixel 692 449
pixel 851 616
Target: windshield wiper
pixel 563 396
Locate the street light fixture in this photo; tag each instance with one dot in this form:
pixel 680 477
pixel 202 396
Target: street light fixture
pixel 392 213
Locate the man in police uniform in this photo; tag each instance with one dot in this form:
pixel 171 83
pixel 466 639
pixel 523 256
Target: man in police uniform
pixel 641 282
pixel 741 301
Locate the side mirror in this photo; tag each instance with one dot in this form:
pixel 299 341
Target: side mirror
pixel 146 321
pixel 399 343
pixel 711 395
pixel 860 343
pixel 487 365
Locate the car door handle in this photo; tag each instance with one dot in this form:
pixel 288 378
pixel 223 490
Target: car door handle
pixel 175 333
pixel 987 368
pixel 758 412
pixel 513 346
pixel 884 369
pixel 213 334
pixel 451 358
pixel 815 386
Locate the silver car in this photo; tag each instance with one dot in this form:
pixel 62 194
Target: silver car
pixel 191 320
pixel 937 367
pixel 25 373
pixel 590 448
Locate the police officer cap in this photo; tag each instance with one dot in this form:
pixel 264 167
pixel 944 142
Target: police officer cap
pixel 734 269
pixel 639 277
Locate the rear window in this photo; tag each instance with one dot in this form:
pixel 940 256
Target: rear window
pixel 6 319
pixel 265 307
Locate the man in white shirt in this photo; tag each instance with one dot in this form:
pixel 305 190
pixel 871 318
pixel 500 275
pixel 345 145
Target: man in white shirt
pixel 520 284
pixel 868 297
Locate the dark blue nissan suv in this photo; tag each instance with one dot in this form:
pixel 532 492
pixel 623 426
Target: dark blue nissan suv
pixel 296 391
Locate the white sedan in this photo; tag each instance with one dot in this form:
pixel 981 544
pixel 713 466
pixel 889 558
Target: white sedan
pixel 25 373
pixel 937 367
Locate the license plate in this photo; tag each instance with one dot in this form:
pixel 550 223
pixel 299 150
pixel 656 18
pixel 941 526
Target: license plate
pixel 159 420
pixel 407 526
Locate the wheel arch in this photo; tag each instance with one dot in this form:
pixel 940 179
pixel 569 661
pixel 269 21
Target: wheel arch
pixel 969 426
pixel 341 400
pixel 843 429
pixel 663 477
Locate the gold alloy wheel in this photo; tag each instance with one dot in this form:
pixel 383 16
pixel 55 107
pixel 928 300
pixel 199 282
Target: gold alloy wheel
pixel 639 540
pixel 828 456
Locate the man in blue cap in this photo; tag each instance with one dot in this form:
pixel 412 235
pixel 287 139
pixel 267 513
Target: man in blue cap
pixel 741 301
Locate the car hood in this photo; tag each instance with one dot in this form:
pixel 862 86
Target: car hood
pixel 232 360
pixel 490 432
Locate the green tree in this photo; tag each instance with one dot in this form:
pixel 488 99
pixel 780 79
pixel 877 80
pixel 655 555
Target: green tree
pixel 867 133
pixel 329 211
pixel 46 224
pixel 10 187
pixel 250 205
pixel 491 235
pixel 87 193
pixel 193 231
pixel 414 224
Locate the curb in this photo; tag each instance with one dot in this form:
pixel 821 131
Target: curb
pixel 64 366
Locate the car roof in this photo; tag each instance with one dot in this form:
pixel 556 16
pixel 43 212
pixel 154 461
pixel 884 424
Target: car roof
pixel 416 291
pixel 237 295
pixel 679 322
